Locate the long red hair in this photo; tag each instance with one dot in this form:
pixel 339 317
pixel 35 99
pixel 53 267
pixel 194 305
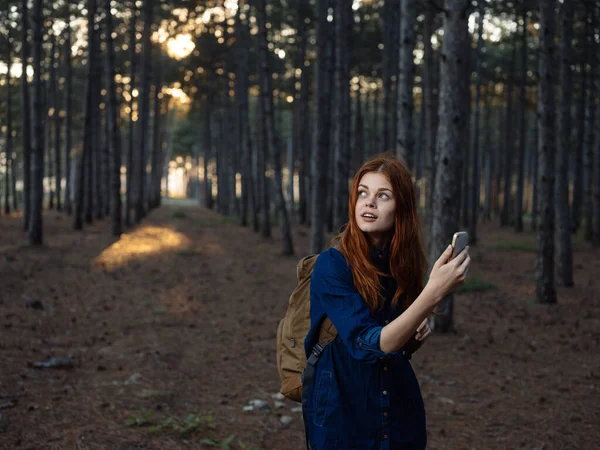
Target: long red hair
pixel 407 255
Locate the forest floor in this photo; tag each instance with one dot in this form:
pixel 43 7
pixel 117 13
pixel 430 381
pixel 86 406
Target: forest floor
pixel 167 335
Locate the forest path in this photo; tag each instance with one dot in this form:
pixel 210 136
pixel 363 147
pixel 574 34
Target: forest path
pixel 179 317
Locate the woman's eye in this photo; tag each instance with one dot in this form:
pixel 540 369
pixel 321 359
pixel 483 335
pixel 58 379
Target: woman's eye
pixel 360 193
pixel 386 196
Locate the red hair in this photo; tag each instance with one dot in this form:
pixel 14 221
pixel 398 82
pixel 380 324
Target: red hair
pixel 407 255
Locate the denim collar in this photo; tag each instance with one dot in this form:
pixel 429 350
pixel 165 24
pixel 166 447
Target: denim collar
pixel 381 258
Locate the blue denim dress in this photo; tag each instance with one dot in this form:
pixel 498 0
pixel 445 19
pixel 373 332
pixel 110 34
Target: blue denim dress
pixel 360 397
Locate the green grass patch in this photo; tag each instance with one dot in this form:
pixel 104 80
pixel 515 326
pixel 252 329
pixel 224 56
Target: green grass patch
pixel 178 214
pixel 226 444
pixel 183 427
pixel 138 419
pixel 149 393
pixel 475 284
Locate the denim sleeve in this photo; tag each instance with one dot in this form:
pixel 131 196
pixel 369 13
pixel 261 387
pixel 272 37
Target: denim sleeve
pixel 332 287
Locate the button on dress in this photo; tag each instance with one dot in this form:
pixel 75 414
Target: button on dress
pixel 360 397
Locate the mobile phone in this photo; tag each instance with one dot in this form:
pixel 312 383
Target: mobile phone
pixel 459 242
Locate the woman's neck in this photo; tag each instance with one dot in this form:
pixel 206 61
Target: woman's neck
pixel 380 241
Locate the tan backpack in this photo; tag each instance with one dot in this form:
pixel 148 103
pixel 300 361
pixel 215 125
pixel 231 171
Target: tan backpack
pixel 292 330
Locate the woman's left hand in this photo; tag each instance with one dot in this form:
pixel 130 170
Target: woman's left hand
pixel 423 331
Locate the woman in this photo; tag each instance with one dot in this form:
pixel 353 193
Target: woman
pixel 364 394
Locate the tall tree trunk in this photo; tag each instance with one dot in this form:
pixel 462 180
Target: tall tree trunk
pixel 391 31
pixel 144 112
pixel 36 236
pixel 588 158
pixel 565 258
pixel 50 107
pixel 451 139
pixel 99 150
pixel 303 117
pixel 244 144
pixel 10 162
pixel 579 145
pixel 208 200
pixel 114 135
pixel 358 147
pixel 489 154
pixel 341 150
pixel 534 178
pixel 156 173
pixel 498 162
pixel 330 61
pixel 56 122
pixel 25 119
pixel 13 184
pixel 321 129
pixel 596 205
pixel 476 180
pixel 545 290
pixel 429 68
pixel 68 114
pixel 405 141
pixel 82 177
pixel 509 140
pixel 272 139
pixel 129 200
pixel 522 127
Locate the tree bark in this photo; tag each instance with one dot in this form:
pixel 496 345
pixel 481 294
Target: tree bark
pixel 489 155
pixel 8 142
pixel 576 208
pixel 405 140
pixel 36 235
pixel 321 130
pixel 476 180
pixel 509 140
pixel 144 112
pixel 56 124
pixel 68 114
pixel 114 135
pixel 82 177
pixel 303 117
pixel 25 119
pixel 157 166
pixel 429 68
pixel 272 139
pixel 588 158
pixel 565 258
pixel 451 139
pixel 522 127
pixel 129 200
pixel 341 149
pixel 390 26
pixel 545 290
pixel 534 179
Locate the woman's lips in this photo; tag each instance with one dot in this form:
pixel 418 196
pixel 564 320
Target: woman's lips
pixel 368 219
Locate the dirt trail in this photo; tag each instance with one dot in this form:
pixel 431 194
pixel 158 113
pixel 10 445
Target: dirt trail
pixel 179 316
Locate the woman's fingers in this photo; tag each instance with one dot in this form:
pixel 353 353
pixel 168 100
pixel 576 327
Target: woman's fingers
pixel 464 266
pixel 423 334
pixel 444 257
pixel 461 256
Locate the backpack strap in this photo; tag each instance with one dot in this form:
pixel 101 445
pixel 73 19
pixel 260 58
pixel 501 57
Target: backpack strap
pixel 327 332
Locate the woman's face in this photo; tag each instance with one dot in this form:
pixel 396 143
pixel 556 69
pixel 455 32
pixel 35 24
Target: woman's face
pixel 376 207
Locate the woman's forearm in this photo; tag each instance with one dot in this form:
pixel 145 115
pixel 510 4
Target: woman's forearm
pixel 397 333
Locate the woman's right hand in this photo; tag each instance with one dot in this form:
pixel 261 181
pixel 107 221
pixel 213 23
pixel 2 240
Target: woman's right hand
pixel 446 274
